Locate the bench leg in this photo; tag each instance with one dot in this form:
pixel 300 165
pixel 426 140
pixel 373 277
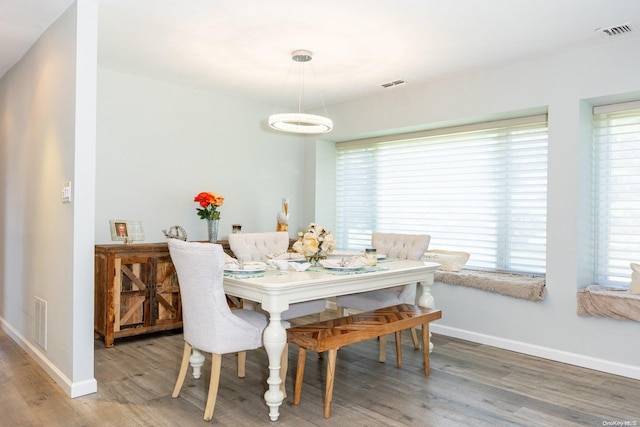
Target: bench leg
pixel 399 348
pixel 297 388
pixel 331 372
pixel 425 347
pixel 383 348
pixel 414 337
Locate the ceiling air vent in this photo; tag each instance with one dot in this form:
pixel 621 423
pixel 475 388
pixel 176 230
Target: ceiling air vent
pixel 393 83
pixel 616 30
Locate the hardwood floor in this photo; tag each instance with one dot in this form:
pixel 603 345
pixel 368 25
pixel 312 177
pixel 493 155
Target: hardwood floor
pixel 469 385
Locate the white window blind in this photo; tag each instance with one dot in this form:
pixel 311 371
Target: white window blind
pixel 616 192
pixel 479 189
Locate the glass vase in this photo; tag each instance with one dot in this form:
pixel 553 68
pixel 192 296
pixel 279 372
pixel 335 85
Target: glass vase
pixel 212 227
pixel 315 259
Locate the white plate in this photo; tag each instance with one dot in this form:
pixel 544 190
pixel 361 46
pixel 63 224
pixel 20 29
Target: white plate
pixel 290 256
pixel 337 267
pixel 346 254
pixel 249 267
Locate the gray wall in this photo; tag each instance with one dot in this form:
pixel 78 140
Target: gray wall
pixel 47 135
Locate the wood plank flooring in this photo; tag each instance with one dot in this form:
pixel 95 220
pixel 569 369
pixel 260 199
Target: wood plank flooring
pixel 470 385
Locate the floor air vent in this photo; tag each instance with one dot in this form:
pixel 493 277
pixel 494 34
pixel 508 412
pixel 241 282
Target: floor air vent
pixel 41 323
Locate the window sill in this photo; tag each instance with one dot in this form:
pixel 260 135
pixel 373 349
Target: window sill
pixel 531 288
pixel 600 301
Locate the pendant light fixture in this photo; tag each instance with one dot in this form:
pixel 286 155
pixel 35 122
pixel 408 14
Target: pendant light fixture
pixel 301 122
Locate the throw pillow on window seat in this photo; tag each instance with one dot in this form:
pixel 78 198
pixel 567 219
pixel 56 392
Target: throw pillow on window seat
pixel 448 260
pixel 634 287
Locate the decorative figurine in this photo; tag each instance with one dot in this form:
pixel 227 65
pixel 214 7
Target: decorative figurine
pixel 176 232
pixel 283 217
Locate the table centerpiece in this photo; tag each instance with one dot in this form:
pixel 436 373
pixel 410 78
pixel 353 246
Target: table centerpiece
pixel 315 243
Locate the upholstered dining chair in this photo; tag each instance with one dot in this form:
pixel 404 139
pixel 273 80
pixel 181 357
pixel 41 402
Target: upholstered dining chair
pixel 209 324
pixel 393 245
pixel 255 247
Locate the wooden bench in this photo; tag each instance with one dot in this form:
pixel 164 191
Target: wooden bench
pixel 329 335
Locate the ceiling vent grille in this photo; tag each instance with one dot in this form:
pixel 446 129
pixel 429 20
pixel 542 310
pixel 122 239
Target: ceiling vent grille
pixel 617 30
pixel 393 83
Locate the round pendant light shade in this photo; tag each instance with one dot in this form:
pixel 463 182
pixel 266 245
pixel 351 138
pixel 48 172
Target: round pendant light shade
pixel 301 122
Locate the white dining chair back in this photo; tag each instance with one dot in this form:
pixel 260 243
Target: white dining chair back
pixel 208 323
pixel 256 246
pixel 401 246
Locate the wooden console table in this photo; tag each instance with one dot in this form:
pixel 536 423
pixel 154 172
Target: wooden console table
pixel 136 291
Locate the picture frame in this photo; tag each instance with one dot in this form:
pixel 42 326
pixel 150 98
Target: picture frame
pixel 126 231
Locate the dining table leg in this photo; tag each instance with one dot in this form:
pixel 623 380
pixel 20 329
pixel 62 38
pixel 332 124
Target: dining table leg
pixel 426 299
pixel 274 340
pixel 196 360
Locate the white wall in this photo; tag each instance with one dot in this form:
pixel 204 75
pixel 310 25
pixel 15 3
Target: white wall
pixel 160 144
pixel 567 85
pixel 47 105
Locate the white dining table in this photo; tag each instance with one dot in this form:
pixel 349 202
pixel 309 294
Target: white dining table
pixel 275 290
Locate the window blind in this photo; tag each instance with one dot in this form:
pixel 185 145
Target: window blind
pixel 479 189
pixel 616 192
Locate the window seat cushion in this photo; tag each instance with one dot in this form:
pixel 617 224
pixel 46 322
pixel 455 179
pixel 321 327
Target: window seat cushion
pixel 615 303
pixel 528 287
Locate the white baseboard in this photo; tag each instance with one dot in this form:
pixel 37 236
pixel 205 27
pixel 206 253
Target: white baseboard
pixel 628 371
pixel 82 388
pixel 72 389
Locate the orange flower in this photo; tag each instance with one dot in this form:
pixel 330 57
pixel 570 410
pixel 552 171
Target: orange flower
pixel 209 202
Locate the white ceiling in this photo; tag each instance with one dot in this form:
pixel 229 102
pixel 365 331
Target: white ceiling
pixel 21 23
pixel 245 46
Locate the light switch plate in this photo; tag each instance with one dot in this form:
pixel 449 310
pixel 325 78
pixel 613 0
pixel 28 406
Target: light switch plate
pixel 66 192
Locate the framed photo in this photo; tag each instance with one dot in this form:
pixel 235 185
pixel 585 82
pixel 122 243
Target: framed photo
pixel 126 230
